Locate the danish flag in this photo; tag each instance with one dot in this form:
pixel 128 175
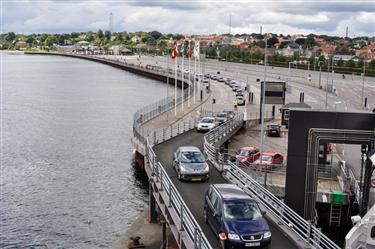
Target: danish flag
pixel 174 51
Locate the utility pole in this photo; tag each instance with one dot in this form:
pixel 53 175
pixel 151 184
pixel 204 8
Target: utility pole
pixel 363 84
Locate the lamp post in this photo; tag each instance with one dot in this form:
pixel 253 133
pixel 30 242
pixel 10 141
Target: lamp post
pixel 262 110
pixel 326 104
pixel 363 84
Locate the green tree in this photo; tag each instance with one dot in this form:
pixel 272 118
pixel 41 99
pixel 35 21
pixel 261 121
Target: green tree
pixel 107 35
pixel 100 34
pixel 372 64
pixel 350 64
pixel 10 36
pixel 50 40
pixel 340 63
pixel 360 63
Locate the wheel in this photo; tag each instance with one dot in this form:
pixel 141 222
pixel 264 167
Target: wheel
pixel 205 217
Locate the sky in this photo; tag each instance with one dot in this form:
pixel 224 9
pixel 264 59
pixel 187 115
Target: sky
pixel 328 17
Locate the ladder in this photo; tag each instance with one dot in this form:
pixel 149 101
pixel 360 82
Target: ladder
pixel 335 215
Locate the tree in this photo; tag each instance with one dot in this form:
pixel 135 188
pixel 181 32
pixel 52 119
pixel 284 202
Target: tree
pixel 272 41
pixel 340 63
pixel 107 35
pixel 10 36
pixel 50 40
pixel 372 64
pixel 283 44
pixel 310 40
pixel 100 34
pixel 350 63
pixel 360 63
pixel 300 41
pixel 155 34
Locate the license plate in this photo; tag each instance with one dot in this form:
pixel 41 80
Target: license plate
pixel 273 131
pixel 196 179
pixel 252 244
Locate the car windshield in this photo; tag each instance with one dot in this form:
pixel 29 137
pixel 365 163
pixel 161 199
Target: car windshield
pixel 274 126
pixel 207 120
pixel 241 210
pixel 266 158
pixel 192 157
pixel 221 115
pixel 244 152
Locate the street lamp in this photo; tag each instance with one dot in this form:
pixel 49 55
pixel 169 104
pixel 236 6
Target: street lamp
pixel 363 84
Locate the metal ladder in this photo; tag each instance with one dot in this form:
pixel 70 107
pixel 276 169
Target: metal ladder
pixel 335 215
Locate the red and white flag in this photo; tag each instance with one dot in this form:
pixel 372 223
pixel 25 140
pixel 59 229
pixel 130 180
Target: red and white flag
pixel 174 51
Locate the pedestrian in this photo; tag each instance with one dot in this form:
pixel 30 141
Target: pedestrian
pixel 235 103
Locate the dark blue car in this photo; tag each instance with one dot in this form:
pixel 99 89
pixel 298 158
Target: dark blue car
pixel 235 217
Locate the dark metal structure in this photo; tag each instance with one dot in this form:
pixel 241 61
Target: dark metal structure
pixel 307 130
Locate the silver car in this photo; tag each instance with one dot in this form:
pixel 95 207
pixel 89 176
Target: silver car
pixel 190 164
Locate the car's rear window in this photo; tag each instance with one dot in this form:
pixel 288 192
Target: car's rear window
pixel 242 210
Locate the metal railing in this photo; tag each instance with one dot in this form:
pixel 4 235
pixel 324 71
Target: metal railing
pixel 285 215
pixel 183 218
pixel 178 211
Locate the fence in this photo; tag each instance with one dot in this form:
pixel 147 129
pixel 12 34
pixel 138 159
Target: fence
pixel 285 215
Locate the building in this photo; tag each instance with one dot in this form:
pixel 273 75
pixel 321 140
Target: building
pixel 290 49
pixel 136 39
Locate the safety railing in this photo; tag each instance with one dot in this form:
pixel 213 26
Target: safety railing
pixel 184 218
pixel 304 229
pixel 193 235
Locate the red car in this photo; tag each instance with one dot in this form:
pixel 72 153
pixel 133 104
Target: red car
pixel 247 154
pixel 269 160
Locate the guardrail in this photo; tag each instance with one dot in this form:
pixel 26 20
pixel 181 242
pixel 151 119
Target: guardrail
pixel 183 222
pixel 285 215
pixel 183 219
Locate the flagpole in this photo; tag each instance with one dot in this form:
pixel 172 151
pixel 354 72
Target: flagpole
pixel 195 70
pixel 167 82
pixel 175 89
pixel 189 78
pixel 182 80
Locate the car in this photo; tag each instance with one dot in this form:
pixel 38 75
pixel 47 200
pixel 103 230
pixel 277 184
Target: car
pixel 207 75
pixel 241 100
pixel 190 164
pixel 213 77
pixel 230 114
pixel 221 117
pixel 206 124
pixel 233 84
pixel 235 217
pixel 236 88
pixel 205 80
pixel 269 160
pixel 220 79
pixel 227 81
pixel 273 130
pixel 239 93
pixel 247 154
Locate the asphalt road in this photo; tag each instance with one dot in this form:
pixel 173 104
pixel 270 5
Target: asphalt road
pixel 193 193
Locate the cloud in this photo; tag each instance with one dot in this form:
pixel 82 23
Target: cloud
pixel 194 17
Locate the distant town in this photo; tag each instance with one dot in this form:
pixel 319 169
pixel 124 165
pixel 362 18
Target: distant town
pixel 345 54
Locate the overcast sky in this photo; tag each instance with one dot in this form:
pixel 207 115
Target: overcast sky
pixel 190 17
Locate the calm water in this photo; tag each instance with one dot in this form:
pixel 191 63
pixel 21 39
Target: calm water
pixel 67 177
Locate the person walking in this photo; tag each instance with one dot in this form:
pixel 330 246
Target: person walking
pixel 235 104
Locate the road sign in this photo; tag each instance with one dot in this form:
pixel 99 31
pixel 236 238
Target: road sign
pixel 274 92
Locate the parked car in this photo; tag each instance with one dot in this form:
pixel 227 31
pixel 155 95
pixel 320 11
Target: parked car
pixel 213 77
pixel 235 217
pixel 273 130
pixel 247 154
pixel 230 114
pixel 205 80
pixel 220 79
pixel 228 81
pixel 269 160
pixel 206 124
pixel 207 75
pixel 221 117
pixel 241 100
pixel 190 164
pixel 239 93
